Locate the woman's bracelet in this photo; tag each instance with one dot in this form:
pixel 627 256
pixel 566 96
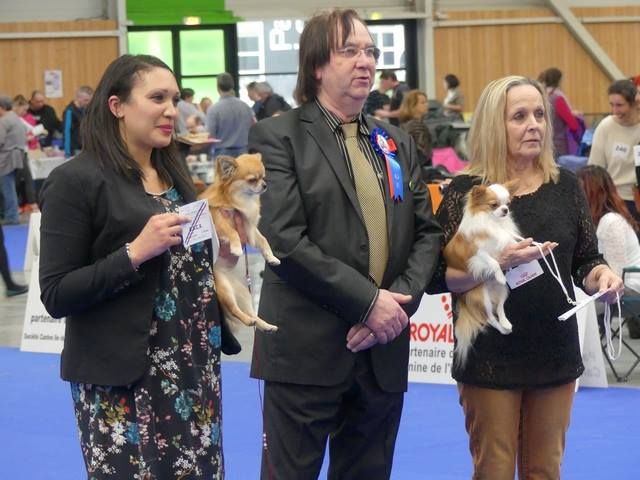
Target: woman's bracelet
pixel 127 247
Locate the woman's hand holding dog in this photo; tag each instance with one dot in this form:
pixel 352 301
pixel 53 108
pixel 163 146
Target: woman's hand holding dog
pixel 514 254
pixel 161 232
pixel 521 252
pixel 228 259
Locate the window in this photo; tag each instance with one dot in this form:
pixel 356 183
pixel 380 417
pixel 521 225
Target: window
pixel 156 43
pixel 196 54
pixel 268 52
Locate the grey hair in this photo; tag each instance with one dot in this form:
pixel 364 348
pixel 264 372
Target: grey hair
pixel 263 88
pixel 5 102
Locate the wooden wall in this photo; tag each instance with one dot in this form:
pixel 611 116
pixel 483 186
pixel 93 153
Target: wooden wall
pixel 82 60
pixel 479 54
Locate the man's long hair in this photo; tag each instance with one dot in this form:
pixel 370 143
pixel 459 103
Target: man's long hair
pixel 319 38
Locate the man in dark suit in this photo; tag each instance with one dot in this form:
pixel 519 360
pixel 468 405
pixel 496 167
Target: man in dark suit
pixel 350 274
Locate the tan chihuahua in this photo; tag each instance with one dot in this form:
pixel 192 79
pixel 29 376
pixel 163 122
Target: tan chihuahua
pixel 485 230
pixel 237 186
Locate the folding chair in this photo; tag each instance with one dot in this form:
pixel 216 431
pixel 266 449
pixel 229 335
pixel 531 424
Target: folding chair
pixel 630 304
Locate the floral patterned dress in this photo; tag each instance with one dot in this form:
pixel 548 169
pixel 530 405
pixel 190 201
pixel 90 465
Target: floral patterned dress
pixel 168 425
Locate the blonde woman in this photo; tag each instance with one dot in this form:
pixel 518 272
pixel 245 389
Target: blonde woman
pixel 517 390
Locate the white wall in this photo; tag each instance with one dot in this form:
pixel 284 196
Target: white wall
pixel 501 4
pixel 40 10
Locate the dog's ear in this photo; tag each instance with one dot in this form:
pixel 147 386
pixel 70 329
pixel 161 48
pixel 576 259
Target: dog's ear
pixel 512 186
pixel 225 166
pixel 477 192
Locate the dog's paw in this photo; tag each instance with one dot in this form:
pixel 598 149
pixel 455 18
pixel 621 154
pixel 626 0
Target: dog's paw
pixel 506 328
pixel 500 278
pixel 265 326
pixel 236 249
pixel 503 326
pixel 271 260
pixel 499 326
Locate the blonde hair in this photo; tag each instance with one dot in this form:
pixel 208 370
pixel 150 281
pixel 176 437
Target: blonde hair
pixel 487 140
pixel 409 104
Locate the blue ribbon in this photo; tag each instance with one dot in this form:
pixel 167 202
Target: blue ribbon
pixel 380 142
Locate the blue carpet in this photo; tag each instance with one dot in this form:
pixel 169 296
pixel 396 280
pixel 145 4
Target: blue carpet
pixel 39 440
pixel 15 241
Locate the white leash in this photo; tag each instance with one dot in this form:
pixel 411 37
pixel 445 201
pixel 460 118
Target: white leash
pixel 611 353
pixel 555 273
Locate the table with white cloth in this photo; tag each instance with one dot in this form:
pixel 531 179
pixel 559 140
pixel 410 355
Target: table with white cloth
pixel 41 167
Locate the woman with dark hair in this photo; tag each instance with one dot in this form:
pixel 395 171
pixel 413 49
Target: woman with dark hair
pixel 453 103
pixel 563 119
pixel 143 332
pixel 614 139
pixel 412 111
pixel 617 230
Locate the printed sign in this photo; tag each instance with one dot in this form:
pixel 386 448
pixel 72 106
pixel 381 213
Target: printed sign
pixel 431 348
pixel 41 332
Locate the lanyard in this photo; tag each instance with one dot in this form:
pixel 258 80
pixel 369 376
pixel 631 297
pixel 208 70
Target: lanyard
pixel 555 273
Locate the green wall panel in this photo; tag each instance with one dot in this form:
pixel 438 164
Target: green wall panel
pixel 202 52
pixel 152 43
pixel 171 12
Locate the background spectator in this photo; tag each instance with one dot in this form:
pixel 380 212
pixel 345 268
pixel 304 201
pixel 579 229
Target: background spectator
pixel 13 150
pixel 412 111
pixel 270 103
pixel 45 115
pixel 252 92
pixel 616 229
pixel 186 108
pixel 377 100
pixel 614 139
pixel 21 107
pixel 205 103
pixel 229 119
pixel 565 122
pixel 71 118
pixel 11 288
pixel 453 103
pixel 25 187
pixel 389 81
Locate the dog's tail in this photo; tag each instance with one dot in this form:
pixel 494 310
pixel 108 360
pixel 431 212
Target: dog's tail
pixel 472 313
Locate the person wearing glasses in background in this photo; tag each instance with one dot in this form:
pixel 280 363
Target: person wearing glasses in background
pixel 353 268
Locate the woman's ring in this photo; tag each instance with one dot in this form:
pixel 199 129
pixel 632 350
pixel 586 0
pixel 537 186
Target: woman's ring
pixel 371 334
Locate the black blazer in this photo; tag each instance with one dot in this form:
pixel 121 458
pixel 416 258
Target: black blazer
pixel 89 212
pixel 312 218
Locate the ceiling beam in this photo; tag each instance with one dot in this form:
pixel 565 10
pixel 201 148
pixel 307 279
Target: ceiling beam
pixel 582 35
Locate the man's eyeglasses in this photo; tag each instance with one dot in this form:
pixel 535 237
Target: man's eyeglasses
pixel 353 52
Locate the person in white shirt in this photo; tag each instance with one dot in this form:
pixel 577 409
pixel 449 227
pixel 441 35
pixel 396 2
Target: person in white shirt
pixel 617 230
pixel 614 139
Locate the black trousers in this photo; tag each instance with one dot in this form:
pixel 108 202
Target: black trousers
pixel 25 187
pixel 5 273
pixel 359 420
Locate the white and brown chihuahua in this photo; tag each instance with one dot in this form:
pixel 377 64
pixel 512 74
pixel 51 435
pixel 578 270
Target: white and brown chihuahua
pixel 485 230
pixel 237 186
